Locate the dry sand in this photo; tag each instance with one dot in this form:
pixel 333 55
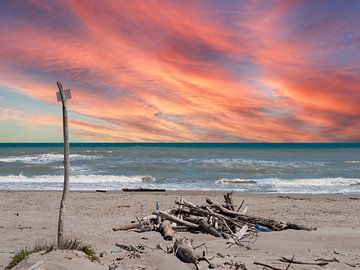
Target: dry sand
pixel 29 217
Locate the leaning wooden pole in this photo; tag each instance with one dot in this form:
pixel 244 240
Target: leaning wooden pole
pixel 61 238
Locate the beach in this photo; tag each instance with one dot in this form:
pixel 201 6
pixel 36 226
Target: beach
pixel 29 217
pixel 179 135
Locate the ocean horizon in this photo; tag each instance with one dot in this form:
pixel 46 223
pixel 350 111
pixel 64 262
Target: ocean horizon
pixel 248 167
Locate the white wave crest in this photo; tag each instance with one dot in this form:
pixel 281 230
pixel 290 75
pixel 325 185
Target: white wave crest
pixel 75 179
pixel 44 158
pixel 235 162
pixel 339 181
pixel 236 181
pixel 305 185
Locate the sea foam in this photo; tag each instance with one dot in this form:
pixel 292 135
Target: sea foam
pixel 304 185
pixel 75 179
pixel 43 158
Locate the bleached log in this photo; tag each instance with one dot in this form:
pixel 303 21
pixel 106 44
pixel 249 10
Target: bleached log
pixel 130 226
pixel 166 230
pixel 170 217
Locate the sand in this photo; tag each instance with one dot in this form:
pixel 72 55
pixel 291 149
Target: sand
pixel 29 217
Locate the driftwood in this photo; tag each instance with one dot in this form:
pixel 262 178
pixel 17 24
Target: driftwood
pixel 205 227
pixel 185 252
pixel 138 248
pixel 143 189
pixel 146 220
pixel 166 230
pixel 208 212
pixel 158 218
pixel 229 201
pixel 217 219
pixel 176 220
pixel 319 263
pixel 242 203
pixel 291 198
pixel 266 265
pixel 270 223
pixel 179 228
pixel 292 226
pixel 63 96
pixel 328 260
pixel 127 227
pixel 236 265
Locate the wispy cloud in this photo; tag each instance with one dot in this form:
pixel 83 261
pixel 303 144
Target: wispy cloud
pixel 191 70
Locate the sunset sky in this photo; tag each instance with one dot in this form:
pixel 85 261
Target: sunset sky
pixel 237 71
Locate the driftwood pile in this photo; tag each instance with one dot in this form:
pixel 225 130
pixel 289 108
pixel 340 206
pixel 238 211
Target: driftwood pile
pixel 226 220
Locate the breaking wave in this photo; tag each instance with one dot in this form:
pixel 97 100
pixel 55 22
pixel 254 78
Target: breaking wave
pixel 76 179
pixel 305 185
pixel 44 158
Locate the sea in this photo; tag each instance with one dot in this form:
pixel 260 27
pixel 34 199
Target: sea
pixel 247 167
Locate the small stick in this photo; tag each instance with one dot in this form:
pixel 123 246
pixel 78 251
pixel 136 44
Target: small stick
pixel 180 208
pixel 227 226
pixel 290 262
pixel 141 224
pixel 266 265
pixel 199 246
pixel 349 264
pixel 283 259
pixel 240 205
pixel 328 260
pixel 158 218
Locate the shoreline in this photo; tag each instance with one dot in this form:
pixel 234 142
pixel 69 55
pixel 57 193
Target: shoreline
pixel 189 192
pixel 28 217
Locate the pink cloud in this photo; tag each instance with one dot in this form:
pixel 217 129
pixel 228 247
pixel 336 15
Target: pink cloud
pixel 171 71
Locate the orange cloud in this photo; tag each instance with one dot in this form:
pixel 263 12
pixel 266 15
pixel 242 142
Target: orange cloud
pixel 189 71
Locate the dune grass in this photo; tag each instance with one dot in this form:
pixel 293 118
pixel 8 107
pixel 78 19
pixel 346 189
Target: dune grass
pixel 76 244
pixel 26 252
pixel 70 244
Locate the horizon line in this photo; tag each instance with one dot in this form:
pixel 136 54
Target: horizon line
pixel 144 142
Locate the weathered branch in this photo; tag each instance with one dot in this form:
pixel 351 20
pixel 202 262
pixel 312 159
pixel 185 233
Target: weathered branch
pixel 283 259
pixel 170 217
pixel 268 266
pixel 205 227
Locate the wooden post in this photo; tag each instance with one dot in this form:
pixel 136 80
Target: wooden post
pixel 63 95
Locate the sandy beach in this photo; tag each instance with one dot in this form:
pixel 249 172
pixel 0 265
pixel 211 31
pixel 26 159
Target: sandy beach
pixel 29 217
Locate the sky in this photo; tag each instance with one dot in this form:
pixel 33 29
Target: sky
pixel 181 71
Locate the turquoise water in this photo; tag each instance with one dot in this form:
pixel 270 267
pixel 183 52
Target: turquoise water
pixel 251 167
